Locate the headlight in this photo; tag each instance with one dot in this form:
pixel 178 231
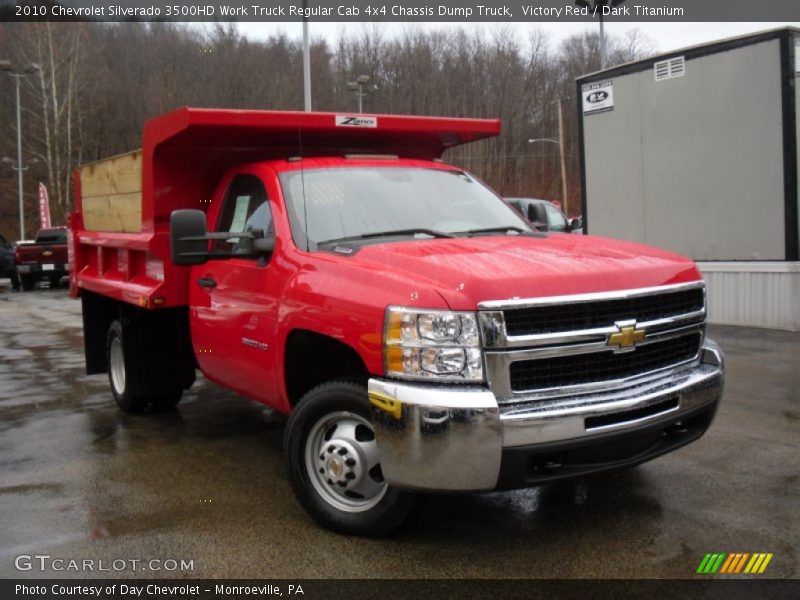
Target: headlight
pixel 432 344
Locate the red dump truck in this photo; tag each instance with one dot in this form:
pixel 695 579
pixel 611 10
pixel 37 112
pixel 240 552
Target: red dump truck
pixel 419 333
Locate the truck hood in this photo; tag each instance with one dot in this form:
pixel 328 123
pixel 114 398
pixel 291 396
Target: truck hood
pixel 467 271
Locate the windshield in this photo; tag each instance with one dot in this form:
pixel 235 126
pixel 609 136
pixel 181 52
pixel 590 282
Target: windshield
pixel 52 236
pixel 342 204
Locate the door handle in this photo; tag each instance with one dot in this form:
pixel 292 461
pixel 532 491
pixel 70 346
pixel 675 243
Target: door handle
pixel 207 282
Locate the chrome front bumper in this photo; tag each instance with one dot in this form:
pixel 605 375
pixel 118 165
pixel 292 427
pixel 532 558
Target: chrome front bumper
pixel 455 438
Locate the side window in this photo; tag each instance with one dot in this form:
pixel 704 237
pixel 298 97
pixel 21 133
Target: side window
pixel 555 220
pixel 537 215
pixel 245 208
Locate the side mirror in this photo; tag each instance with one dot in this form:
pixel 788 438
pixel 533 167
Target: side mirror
pixel 576 223
pixel 264 245
pixel 187 237
pixel 251 243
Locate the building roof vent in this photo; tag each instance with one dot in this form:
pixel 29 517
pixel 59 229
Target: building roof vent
pixel 669 69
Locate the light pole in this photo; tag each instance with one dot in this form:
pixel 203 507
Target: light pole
pixel 597 7
pixel 561 154
pixel 306 63
pixel 361 87
pixel 18 75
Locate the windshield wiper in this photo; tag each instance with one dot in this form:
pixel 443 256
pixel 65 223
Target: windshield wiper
pixel 495 230
pixel 365 236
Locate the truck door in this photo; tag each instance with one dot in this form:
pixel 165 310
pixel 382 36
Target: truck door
pixel 234 300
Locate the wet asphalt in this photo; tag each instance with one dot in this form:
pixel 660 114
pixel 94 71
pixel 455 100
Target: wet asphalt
pixel 205 482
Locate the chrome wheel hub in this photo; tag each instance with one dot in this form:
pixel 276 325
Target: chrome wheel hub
pixel 342 461
pixel 117 365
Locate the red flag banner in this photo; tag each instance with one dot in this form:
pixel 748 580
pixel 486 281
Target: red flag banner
pixel 44 207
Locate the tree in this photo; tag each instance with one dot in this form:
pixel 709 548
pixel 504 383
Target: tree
pixel 99 83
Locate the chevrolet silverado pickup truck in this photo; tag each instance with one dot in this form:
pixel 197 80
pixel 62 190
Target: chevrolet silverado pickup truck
pixel 420 335
pixel 43 259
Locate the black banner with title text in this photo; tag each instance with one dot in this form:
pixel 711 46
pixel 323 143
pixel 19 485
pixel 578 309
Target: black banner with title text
pixel 389 589
pixel 567 11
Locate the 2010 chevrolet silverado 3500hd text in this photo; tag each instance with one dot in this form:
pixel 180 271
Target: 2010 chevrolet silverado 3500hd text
pixel 419 333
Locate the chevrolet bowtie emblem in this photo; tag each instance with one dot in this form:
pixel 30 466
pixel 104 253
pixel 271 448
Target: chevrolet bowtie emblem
pixel 626 338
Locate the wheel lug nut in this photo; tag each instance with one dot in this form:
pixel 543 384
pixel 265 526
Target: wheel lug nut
pixel 330 482
pixel 342 484
pixel 350 462
pixel 322 457
pixel 350 475
pixel 331 449
pixel 342 451
pixel 322 471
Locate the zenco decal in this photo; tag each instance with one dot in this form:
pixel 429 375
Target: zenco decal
pixel 598 97
pixel 734 563
pixel 351 121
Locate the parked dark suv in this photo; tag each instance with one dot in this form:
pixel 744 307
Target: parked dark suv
pixel 7 262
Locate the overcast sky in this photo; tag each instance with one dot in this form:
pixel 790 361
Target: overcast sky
pixel 667 36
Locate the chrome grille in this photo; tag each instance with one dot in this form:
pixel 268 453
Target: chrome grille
pixel 578 369
pixel 552 347
pixel 590 315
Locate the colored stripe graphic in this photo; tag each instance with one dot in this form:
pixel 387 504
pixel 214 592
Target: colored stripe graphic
pixel 711 563
pixel 758 563
pixel 731 564
pixel 735 563
pixel 727 565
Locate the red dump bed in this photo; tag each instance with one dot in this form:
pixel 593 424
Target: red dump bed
pixel 184 155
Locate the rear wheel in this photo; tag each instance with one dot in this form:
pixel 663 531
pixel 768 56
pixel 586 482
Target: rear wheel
pixel 27 282
pixel 166 401
pixel 118 375
pixel 124 381
pixel 334 466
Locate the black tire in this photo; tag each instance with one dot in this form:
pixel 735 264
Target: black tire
pixel 55 282
pixel 26 282
pixel 120 381
pixel 324 401
pixel 166 401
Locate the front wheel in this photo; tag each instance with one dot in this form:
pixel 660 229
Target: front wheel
pixel 27 282
pixel 334 466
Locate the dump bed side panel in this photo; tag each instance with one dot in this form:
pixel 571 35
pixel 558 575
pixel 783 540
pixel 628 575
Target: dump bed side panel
pixel 110 252
pixel 111 194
